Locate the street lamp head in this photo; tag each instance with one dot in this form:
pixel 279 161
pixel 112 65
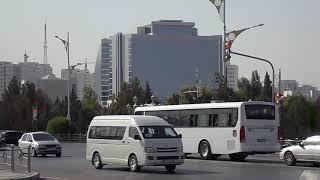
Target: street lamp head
pixel 261 25
pixel 56 37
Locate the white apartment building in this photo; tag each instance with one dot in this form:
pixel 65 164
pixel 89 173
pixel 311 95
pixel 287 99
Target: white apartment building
pixel 7 72
pixel 79 79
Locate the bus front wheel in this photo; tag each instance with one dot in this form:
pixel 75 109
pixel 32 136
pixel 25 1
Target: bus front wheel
pixel 238 156
pixel 204 150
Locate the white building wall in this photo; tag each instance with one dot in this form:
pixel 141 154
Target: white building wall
pixel 232 76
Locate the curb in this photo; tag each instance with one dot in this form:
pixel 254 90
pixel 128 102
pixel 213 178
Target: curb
pixel 19 176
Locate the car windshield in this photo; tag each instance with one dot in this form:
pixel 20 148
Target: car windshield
pixel 43 137
pixel 158 132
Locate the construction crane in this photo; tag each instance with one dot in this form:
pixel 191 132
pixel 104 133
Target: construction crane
pixel 86 64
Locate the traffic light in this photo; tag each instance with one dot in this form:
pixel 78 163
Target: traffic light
pixel 227 51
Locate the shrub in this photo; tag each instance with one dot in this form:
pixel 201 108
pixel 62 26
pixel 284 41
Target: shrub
pixel 58 125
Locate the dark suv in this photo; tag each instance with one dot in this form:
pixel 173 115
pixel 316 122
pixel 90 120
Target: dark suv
pixel 9 137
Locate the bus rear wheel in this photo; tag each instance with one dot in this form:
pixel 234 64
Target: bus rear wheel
pixel 205 150
pixel 238 156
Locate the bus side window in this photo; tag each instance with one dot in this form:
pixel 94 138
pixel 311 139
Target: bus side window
pixel 213 120
pixel 191 120
pixel 195 120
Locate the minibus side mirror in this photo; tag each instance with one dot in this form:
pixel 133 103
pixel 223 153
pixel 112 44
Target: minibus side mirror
pixel 136 137
pixel 179 135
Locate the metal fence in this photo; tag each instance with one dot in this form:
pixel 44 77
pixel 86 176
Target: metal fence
pixel 289 142
pixel 13 156
pixel 80 138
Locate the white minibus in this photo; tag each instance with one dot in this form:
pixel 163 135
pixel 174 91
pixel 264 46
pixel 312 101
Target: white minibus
pixel 237 129
pixel 134 141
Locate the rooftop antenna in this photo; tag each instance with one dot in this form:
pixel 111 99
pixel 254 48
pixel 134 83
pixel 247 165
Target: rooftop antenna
pixel 45 44
pixel 25 56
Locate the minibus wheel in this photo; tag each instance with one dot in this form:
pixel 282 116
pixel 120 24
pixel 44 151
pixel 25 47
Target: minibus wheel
pixel 133 164
pixel 96 161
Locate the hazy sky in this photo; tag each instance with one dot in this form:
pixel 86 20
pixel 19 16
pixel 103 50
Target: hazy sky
pixel 289 38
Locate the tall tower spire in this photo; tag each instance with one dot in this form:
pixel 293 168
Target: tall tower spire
pixel 45 44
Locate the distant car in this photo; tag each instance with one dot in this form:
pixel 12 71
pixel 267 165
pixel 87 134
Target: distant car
pixel 9 137
pixel 41 143
pixel 306 151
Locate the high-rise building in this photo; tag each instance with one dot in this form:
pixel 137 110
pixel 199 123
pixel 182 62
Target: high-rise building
pixel 8 70
pixel 164 53
pixel 232 76
pixel 103 71
pixel 79 80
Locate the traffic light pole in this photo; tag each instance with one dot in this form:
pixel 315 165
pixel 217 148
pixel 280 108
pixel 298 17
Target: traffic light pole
pixel 261 59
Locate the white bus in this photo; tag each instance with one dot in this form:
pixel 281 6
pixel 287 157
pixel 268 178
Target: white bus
pixel 237 129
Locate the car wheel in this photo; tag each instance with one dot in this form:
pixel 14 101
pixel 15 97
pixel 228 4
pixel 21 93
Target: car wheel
pixel 96 161
pixel 58 154
pixel 33 152
pixel 170 168
pixel 133 164
pixel 289 159
pixel 238 157
pixel 205 150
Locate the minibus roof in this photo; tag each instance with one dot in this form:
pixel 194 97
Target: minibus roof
pixel 138 120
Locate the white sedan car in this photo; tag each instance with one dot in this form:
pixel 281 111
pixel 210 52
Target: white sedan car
pixel 306 151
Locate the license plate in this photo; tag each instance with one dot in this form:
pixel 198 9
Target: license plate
pixel 262 140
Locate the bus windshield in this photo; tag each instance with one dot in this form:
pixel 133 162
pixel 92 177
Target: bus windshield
pixel 260 112
pixel 158 132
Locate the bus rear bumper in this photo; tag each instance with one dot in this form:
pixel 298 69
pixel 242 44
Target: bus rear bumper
pixel 260 149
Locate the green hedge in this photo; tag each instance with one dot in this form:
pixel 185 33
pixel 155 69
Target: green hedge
pixel 58 125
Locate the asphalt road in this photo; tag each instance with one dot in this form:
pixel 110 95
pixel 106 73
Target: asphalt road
pixel 72 165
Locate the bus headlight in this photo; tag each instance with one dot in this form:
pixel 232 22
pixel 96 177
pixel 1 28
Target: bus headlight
pixel 150 150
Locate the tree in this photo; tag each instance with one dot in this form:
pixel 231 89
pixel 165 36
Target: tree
pixel 17 108
pixel 58 125
pixel 90 108
pixel 244 89
pixel 296 119
pixel 267 88
pixel 174 99
pixel 75 107
pixel 147 94
pixel 256 86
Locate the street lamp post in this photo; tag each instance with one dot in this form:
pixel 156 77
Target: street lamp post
pixel 67 47
pixel 261 59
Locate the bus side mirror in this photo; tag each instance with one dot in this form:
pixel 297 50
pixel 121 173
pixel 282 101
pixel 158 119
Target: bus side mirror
pixel 179 135
pixel 136 137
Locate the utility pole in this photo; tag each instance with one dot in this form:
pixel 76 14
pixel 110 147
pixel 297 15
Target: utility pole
pixel 279 82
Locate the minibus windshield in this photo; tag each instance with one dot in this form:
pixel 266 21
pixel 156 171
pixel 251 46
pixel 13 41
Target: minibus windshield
pixel 158 132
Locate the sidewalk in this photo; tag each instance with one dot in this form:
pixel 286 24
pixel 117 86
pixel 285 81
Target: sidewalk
pixel 8 175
